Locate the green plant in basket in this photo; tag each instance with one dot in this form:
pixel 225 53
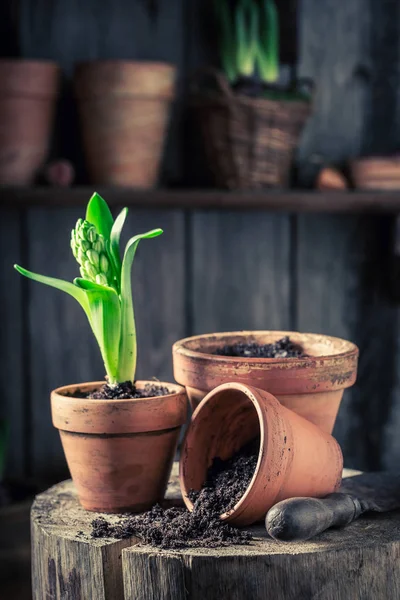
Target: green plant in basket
pixel 104 288
pixel 249 39
pixel 249 47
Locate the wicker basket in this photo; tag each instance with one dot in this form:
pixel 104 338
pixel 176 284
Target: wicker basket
pixel 249 142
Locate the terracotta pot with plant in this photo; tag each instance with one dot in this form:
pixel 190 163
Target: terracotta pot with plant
pixel 28 91
pixel 249 122
pixel 119 437
pixel 307 372
pixel 293 457
pixel 124 109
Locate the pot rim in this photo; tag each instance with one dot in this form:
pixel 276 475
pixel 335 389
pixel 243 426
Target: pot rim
pixel 84 64
pixel 118 416
pixel 274 488
pixel 33 62
pixel 180 347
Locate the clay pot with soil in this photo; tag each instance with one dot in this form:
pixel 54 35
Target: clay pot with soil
pixel 119 451
pixel 124 108
pixel 28 92
pixel 119 436
pixel 307 372
pixel 277 453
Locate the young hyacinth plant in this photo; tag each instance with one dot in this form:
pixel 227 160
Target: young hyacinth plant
pixel 104 288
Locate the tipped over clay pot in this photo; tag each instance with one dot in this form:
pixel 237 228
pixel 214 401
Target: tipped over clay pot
pixel 119 452
pixel 295 457
pixel 311 386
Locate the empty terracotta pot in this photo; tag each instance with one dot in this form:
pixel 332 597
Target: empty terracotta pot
pixel 376 173
pixel 124 109
pixel 119 452
pixel 28 90
pixel 295 458
pixel 312 386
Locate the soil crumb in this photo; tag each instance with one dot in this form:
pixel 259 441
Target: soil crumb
pixel 125 391
pixel 176 528
pixel 283 348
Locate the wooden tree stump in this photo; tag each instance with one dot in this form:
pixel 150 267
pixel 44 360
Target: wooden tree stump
pixel 360 562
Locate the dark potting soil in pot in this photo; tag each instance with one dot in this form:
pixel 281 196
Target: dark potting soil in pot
pixel 283 348
pixel 177 527
pixel 124 391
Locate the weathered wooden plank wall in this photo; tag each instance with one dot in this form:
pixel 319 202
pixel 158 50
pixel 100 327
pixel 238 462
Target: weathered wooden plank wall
pixel 214 270
pixel 350 49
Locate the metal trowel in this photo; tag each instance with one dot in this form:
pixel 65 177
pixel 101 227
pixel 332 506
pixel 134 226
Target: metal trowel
pixel 303 518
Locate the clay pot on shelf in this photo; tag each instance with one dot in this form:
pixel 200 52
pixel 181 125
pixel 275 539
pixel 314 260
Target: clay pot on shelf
pixel 119 452
pixel 330 178
pixel 28 91
pixel 376 173
pixel 295 457
pixel 124 109
pixel 312 386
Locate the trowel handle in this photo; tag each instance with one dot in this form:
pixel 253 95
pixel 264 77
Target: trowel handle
pixel 303 518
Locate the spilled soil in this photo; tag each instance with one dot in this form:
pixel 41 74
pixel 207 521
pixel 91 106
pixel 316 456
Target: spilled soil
pixel 176 528
pixel 283 348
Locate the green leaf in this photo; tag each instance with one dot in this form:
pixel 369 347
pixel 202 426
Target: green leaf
pixel 247 36
pixel 99 215
pixel 127 349
pixel 65 286
pixel 105 311
pixel 268 44
pixel 114 242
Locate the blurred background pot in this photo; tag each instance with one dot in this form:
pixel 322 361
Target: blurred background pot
pixel 124 109
pixel 311 386
pixel 119 452
pixel 28 90
pixel 376 173
pixel 295 457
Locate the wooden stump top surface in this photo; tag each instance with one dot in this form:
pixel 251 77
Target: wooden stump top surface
pixel 60 525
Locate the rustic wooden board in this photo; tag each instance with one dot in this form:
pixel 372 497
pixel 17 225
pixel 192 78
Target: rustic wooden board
pixel 64 564
pixel 341 291
pixel 69 31
pixel 379 72
pixel 240 272
pixel 67 563
pixel 279 201
pixel 333 49
pixel 14 363
pixel 359 561
pixel 158 286
pixel 62 346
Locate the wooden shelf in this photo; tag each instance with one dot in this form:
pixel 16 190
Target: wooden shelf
pixel 289 201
